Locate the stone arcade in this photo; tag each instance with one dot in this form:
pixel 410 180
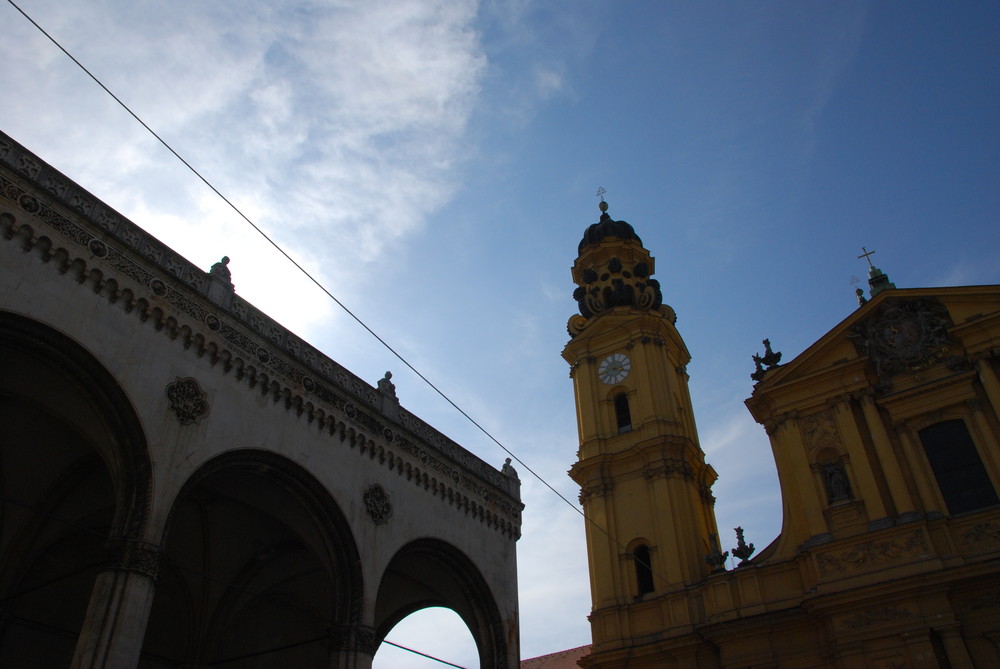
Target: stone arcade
pixel 185 483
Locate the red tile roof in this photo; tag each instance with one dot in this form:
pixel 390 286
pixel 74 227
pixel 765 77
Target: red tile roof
pixel 564 659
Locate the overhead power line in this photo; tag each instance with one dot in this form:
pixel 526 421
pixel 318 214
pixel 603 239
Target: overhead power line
pixel 323 288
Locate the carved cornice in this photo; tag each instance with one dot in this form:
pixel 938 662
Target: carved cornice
pixel 129 267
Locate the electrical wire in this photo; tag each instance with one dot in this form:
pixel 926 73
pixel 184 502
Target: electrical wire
pixel 290 259
pixel 323 288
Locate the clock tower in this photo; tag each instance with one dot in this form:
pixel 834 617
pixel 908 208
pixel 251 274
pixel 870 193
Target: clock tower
pixel 644 484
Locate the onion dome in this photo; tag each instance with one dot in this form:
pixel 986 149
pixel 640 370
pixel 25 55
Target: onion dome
pixel 605 228
pixel 613 270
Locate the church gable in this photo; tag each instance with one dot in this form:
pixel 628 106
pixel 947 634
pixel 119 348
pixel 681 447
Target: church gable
pixel 897 340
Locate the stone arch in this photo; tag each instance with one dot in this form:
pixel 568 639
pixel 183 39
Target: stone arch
pixel 75 486
pixel 429 572
pixel 260 565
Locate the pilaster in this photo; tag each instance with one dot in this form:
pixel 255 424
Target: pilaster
pixel 991 384
pixel 913 452
pixel 861 465
pixel 789 441
pixel 986 439
pixel 887 458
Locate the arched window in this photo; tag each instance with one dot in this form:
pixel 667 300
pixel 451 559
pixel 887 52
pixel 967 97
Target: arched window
pixel 960 473
pixel 643 570
pixel 622 414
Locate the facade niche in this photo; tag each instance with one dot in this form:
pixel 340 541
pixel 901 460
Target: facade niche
pixel 961 477
pixel 838 485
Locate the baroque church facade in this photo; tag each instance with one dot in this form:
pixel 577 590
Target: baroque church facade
pixel 886 437
pixel 186 483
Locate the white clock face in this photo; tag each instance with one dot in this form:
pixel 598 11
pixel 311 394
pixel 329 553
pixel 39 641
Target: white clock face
pixel 615 368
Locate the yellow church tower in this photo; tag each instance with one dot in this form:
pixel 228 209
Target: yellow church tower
pixel 886 439
pixel 645 485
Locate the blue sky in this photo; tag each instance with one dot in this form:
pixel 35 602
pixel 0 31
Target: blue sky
pixel 435 164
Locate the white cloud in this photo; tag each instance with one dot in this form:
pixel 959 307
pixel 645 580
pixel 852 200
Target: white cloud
pixel 340 124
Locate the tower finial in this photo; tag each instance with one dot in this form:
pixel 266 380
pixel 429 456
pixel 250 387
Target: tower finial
pixel 877 279
pixel 603 206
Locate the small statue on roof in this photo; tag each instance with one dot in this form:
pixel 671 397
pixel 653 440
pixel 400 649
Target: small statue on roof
pixel 770 358
pixel 743 550
pixel 387 387
pixel 508 469
pixel 221 271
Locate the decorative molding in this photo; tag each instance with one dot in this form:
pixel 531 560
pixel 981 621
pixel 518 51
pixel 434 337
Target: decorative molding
pixel 872 554
pixel 187 400
pixel 873 616
pixel 669 468
pixel 819 430
pixel 133 556
pixel 989 599
pixel 982 536
pixel 358 638
pixel 377 504
pixel 596 488
pixel 179 291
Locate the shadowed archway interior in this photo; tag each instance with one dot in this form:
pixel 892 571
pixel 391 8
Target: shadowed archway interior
pixel 259 570
pixel 73 474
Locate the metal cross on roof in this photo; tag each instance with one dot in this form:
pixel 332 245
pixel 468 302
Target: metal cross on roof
pixel 601 192
pixel 865 256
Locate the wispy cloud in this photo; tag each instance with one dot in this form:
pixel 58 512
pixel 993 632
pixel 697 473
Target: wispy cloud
pixel 339 125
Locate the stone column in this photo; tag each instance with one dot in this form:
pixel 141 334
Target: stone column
pixel 954 647
pixel 991 384
pixel 115 623
pixel 887 458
